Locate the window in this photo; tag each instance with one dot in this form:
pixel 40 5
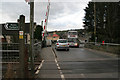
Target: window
pixel 62 41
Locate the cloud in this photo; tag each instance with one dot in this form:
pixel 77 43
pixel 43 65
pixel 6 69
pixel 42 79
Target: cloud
pixel 70 17
pixel 63 14
pixel 11 11
pixel 51 0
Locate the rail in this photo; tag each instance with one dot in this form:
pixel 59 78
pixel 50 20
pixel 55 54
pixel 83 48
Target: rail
pixel 37 50
pixel 107 47
pixel 9 52
pixel 102 43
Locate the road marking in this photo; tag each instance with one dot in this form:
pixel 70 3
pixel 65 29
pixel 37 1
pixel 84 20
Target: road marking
pixel 39 67
pixel 62 76
pixel 58 67
pixel 82 75
pixel 56 60
pixel 37 72
pixel 41 64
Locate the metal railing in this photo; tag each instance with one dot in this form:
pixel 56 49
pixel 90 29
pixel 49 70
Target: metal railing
pixel 107 47
pixel 9 52
pixel 37 49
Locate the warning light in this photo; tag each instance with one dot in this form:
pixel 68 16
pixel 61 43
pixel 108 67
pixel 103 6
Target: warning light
pixel 103 42
pixel 45 20
pixel 44 27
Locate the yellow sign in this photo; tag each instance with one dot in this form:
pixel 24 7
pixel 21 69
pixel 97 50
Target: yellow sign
pixel 20 36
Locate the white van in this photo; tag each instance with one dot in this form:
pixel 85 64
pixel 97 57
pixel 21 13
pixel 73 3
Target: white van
pixel 48 42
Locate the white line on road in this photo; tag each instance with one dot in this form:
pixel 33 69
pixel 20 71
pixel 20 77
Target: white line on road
pixel 39 67
pixel 37 72
pixel 82 75
pixel 61 74
pixel 56 60
pixel 57 65
pixel 41 64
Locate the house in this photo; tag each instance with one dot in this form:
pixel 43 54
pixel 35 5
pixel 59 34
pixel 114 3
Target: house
pixel 53 37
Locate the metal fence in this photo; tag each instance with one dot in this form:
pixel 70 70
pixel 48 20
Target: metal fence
pixel 37 50
pixel 107 47
pixel 10 52
pixel 9 55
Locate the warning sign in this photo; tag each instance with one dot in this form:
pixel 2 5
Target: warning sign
pixel 20 34
pixel 20 37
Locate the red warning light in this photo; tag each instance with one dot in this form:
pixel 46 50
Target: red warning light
pixel 45 20
pixel 44 27
pixel 43 34
pixel 103 42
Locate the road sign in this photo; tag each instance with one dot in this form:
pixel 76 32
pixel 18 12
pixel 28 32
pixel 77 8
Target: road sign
pixel 20 34
pixel 11 26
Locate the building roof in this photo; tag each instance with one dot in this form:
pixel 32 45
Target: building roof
pixel 55 35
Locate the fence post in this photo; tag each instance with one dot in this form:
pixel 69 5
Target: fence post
pixel 22 46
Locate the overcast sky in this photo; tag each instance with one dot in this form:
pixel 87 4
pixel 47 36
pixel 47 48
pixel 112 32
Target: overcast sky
pixel 64 15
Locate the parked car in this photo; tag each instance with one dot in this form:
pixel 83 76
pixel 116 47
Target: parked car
pixel 73 42
pixel 62 44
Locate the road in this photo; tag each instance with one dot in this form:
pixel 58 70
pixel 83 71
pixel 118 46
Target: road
pixel 76 64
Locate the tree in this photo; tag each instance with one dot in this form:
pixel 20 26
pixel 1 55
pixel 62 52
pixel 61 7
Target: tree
pixel 107 21
pixel 38 32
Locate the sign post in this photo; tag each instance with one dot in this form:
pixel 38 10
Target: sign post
pixel 22 46
pixel 21 34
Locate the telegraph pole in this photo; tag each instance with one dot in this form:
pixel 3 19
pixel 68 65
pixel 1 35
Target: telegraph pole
pixel 22 46
pixel 95 21
pixel 31 37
